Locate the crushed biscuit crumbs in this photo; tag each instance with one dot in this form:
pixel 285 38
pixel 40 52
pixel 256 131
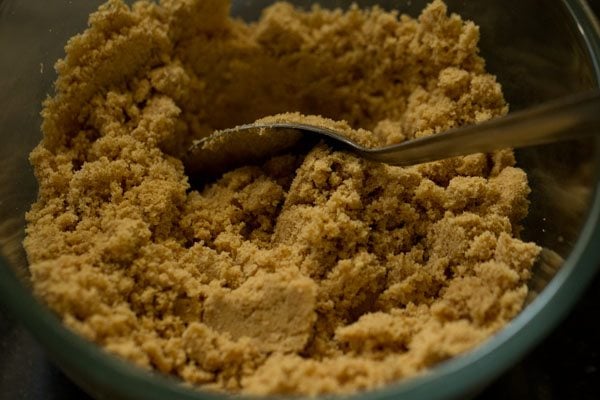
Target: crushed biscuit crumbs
pixel 312 273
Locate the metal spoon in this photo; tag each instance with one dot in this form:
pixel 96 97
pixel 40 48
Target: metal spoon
pixel 564 119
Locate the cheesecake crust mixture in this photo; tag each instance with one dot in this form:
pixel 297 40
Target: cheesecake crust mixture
pixel 313 273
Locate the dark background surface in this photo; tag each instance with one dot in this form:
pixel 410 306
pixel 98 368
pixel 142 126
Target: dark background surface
pixel 564 366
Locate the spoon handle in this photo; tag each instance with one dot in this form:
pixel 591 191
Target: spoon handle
pixel 561 120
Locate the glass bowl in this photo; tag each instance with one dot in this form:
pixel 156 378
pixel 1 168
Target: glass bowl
pixel 539 50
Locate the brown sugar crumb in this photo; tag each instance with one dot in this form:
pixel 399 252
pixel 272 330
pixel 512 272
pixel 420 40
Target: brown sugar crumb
pixel 311 273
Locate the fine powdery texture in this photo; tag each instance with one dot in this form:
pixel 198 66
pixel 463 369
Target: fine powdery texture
pixel 315 272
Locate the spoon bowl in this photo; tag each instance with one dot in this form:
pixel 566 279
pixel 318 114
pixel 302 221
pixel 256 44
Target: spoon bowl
pixel 563 119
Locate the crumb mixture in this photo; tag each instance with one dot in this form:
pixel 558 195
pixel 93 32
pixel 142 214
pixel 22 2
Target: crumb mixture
pixel 311 273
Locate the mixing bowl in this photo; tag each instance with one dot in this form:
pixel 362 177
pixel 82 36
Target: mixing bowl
pixel 539 50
